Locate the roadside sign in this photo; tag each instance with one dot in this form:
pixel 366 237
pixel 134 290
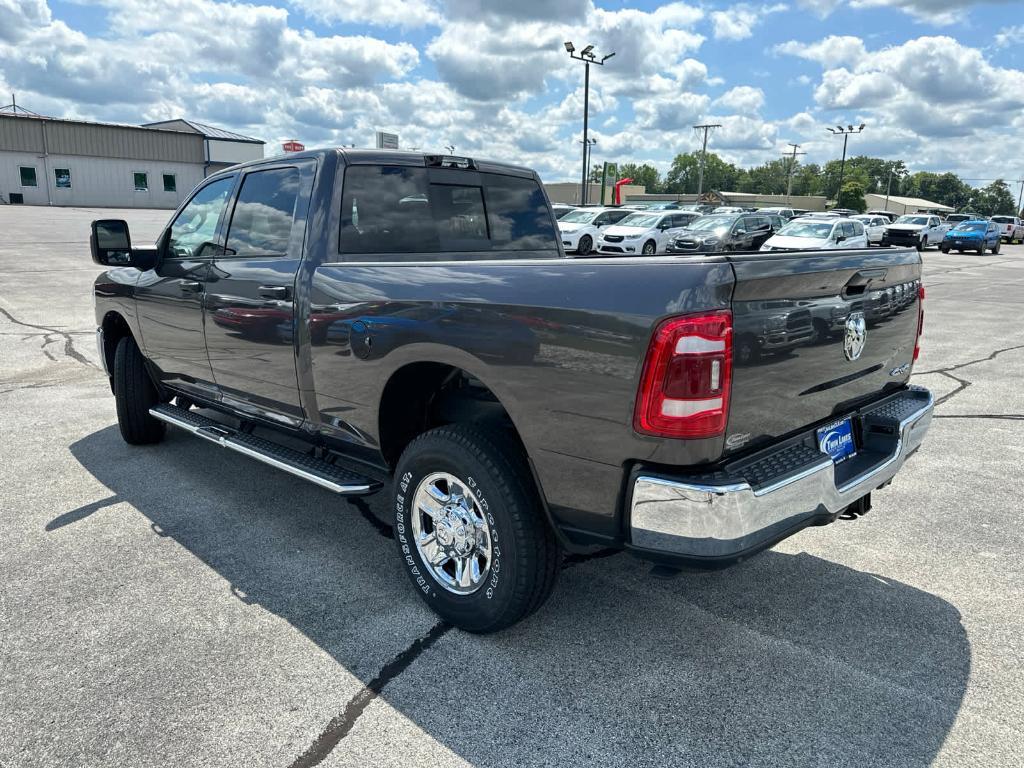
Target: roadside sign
pixel 387 140
pixel 293 146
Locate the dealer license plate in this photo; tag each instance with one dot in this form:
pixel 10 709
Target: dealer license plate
pixel 836 440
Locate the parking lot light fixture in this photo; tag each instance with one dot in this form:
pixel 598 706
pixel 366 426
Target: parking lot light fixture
pixel 845 133
pixel 588 57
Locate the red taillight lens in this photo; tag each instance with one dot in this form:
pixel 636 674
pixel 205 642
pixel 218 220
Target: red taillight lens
pixel 687 376
pixel 920 321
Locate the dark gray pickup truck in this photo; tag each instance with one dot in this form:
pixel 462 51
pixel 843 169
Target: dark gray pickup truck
pixel 408 323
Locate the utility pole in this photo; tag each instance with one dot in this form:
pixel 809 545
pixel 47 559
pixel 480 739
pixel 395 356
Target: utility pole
pixel 845 133
pixel 792 164
pixel 888 188
pixel 587 57
pixel 707 127
pixel 1020 197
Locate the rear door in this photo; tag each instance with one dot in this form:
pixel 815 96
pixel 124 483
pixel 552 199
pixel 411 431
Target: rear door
pixel 250 308
pixel 797 318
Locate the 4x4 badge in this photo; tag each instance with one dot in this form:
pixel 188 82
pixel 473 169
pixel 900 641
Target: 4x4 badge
pixel 856 335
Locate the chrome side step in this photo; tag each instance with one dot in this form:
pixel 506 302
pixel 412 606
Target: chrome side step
pixel 323 473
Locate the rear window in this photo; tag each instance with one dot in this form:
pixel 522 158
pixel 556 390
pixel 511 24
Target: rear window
pixel 262 222
pixel 1003 219
pixel 397 210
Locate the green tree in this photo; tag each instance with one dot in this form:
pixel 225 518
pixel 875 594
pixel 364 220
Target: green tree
pixel 645 174
pixel 994 200
pixel 682 177
pixel 852 196
pixel 946 188
pixel 807 180
pixel 767 179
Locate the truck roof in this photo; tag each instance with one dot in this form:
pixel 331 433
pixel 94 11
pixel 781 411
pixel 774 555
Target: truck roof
pixel 394 157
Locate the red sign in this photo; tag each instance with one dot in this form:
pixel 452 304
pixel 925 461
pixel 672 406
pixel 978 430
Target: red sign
pixel 293 146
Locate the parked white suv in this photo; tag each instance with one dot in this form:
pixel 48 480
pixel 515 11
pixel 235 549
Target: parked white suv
pixel 917 229
pixel 874 227
pixel 644 233
pixel 1011 228
pixel 579 229
pixel 818 233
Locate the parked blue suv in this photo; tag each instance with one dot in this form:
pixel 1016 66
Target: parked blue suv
pixel 973 235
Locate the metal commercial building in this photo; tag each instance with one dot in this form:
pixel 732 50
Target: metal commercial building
pixel 47 161
pixel 902 205
pixel 221 148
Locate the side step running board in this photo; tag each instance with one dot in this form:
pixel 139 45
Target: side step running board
pixel 323 473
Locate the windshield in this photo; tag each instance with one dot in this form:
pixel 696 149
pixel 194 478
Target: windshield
pixel 712 223
pixel 912 220
pixel 645 220
pixel 579 217
pixel 971 226
pixel 815 229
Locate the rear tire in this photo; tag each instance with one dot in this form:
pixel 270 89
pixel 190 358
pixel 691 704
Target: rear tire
pixel 997 246
pixel 487 482
pixel 135 394
pixel 585 245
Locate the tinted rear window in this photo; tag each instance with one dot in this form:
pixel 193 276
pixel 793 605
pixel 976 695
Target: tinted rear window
pixel 398 211
pixel 1003 219
pixel 262 221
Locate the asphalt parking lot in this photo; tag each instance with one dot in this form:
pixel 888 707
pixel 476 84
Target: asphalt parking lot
pixel 178 605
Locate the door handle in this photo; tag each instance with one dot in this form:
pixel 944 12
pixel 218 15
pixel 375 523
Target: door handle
pixel 274 292
pixel 191 286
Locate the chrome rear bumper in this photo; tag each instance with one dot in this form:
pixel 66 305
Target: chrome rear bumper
pixel 728 519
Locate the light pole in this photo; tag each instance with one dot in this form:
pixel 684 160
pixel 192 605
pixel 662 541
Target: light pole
pixel 588 158
pixel 587 57
pixel 845 133
pixel 450 148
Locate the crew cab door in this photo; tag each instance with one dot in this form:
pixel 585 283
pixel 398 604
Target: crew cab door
pixel 250 310
pixel 169 298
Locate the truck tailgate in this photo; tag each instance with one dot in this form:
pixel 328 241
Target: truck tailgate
pixel 798 357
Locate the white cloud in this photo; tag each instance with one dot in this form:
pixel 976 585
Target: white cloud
pixel 938 12
pixel 836 50
pixel 385 13
pixel 738 22
pixel 743 99
pixel 1007 36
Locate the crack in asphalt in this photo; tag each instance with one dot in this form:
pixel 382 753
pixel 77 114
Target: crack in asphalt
pixel 49 334
pixel 341 725
pixel 963 383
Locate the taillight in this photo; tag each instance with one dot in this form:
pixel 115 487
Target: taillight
pixel 687 376
pixel 920 321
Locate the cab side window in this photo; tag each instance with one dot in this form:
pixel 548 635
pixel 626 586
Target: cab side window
pixel 194 232
pixel 261 224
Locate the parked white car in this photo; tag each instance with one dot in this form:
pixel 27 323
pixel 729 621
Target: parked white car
pixel 874 227
pixel 917 229
pixel 1011 228
pixel 818 233
pixel 729 209
pixel 644 233
pixel 579 229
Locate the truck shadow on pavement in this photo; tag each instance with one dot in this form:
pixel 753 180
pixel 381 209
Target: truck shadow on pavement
pixel 786 659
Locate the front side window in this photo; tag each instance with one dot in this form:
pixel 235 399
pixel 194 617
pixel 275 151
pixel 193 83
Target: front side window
pixel 62 178
pixel 262 222
pixel 28 176
pixel 194 231
pixel 141 182
pixel 170 183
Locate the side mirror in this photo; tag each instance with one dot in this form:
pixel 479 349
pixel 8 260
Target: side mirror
pixel 111 246
pixel 840 238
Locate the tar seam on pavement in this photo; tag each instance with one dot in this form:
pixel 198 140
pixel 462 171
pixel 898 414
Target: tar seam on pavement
pixel 964 383
pixel 340 726
pixel 69 343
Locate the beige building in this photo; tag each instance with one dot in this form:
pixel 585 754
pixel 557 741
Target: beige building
pixel 902 205
pixel 567 192
pixel 740 199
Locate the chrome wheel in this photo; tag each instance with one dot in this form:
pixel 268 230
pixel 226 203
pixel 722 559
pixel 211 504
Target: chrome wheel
pixel 451 534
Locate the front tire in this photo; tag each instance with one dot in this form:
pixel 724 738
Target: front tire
pixel 997 246
pixel 650 248
pixel 135 394
pixel 944 248
pixel 470 528
pixel 585 245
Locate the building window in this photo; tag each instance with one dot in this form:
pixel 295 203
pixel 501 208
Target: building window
pixel 141 182
pixel 62 178
pixel 28 176
pixel 170 183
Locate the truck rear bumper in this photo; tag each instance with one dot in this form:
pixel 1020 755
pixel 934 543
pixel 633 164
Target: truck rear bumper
pixel 754 503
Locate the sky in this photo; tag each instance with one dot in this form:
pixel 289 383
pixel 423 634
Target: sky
pixel 938 83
